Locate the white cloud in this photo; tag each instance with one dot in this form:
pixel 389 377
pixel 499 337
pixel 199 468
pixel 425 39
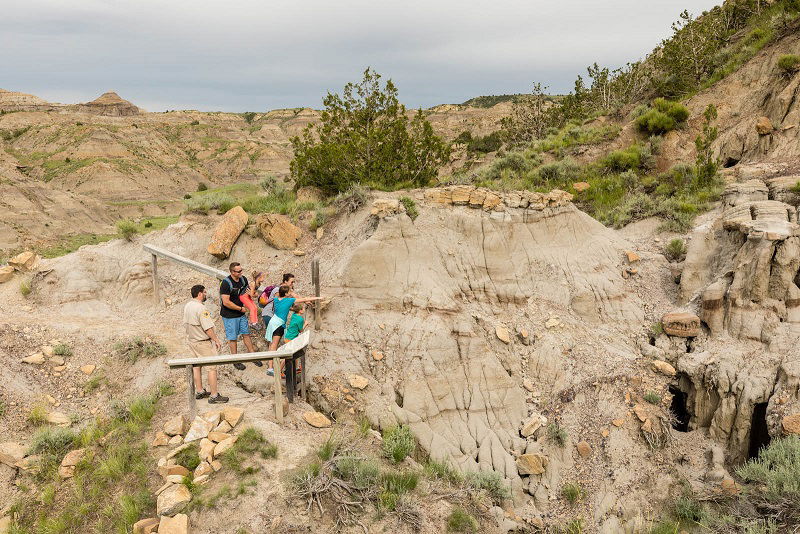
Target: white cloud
pixel 254 55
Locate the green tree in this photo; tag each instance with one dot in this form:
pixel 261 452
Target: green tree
pixel 365 136
pixel 706 165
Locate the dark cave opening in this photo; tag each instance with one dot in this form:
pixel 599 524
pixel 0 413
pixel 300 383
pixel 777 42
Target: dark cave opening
pixel 730 162
pixel 759 432
pixel 679 409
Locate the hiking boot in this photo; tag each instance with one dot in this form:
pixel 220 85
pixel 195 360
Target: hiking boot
pixel 258 364
pixel 201 394
pixel 218 399
pixel 239 366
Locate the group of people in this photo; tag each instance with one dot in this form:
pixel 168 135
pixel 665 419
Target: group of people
pixel 239 312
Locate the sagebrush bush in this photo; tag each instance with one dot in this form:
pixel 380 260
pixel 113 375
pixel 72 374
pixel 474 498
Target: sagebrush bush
pixel 25 288
pixel 398 442
pixel 675 250
pixel 136 348
pixel 652 397
pixel 631 158
pixel 776 470
pixel 202 186
pixel 62 349
pixel 55 441
pixel 38 415
pixel 353 198
pixel 572 492
pixel 492 483
pixel 789 63
pixel 655 122
pixel 556 434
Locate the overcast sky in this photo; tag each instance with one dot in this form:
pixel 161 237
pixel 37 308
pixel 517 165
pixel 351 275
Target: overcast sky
pixel 255 55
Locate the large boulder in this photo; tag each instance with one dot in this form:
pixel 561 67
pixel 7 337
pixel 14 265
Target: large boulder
pixel 227 232
pixel 11 453
pixel 174 525
pixel 6 273
pixel 278 231
pixel 764 126
pixel 681 324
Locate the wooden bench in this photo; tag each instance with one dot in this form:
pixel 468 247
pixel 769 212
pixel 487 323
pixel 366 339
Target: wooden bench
pixel 289 352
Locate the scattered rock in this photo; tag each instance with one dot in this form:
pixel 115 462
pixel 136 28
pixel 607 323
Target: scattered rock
pixel 764 126
pixel 502 334
pixel 316 419
pixel 681 324
pixel 58 418
pixel 216 465
pixel 605 432
pixel 57 361
pixel 227 232
pixel 531 464
pixel 532 424
pixel 34 359
pixel 278 231
pixel 232 416
pixel 618 422
pixel 25 261
pixel 528 385
pixel 199 429
pixel 584 449
pixel 176 450
pixel 6 273
pixel 357 381
pixel 206 449
pixel 176 440
pixel 552 322
pixel 224 446
pixel 48 351
pixel 72 458
pixel 146 526
pixel 88 369
pixel 216 437
pixel 632 256
pixel 214 417
pixel 203 469
pixel 174 525
pixel 223 427
pixel 383 207
pixel 664 368
pixel 173 500
pixel 791 424
pixel 377 355
pixel 320 232
pixel 201 480
pixel 177 425
pixel 298 252
pixel 173 470
pixel 160 440
pixel 524 336
pixel 11 453
pixel 174 479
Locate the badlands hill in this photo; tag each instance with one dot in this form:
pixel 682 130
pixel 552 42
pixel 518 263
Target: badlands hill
pixel 120 161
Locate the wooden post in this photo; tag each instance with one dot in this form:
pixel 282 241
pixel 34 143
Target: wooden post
pixel 276 366
pixel 303 375
pixel 317 307
pixel 190 388
pixel 154 260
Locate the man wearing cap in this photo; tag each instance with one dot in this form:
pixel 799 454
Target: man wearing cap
pixel 203 341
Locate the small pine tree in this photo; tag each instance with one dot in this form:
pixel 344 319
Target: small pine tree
pixel 706 165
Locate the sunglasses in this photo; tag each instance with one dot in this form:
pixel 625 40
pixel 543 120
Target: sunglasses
pixel 237 272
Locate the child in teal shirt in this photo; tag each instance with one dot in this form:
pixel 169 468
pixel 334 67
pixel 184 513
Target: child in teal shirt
pixel 296 322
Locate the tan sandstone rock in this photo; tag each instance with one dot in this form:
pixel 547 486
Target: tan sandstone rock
pixel 584 449
pixel 11 453
pixel 278 231
pixel 357 381
pixel 217 437
pixel 377 355
pixel 203 469
pixel 681 324
pixel 791 424
pixel 58 419
pixel 174 525
pixel 764 126
pixel 34 359
pixel 225 446
pixel 161 439
pixel 663 367
pixel 316 419
pixel 26 261
pixel 146 526
pixel 502 334
pixel 199 429
pixel 6 273
pixel 227 232
pixel 531 464
pixel 232 416
pixel 173 470
pixel 88 369
pixel 206 449
pixel 173 499
pixel 384 207
pixel 532 424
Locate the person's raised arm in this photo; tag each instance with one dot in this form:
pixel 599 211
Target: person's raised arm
pixel 306 299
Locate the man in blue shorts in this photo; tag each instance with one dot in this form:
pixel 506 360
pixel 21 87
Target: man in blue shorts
pixel 233 312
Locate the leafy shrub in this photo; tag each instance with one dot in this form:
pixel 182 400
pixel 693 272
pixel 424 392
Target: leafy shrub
pixel 410 206
pixel 221 202
pixel 62 349
pixel 187 196
pixel 460 520
pixel 268 183
pixel 666 527
pixel 194 123
pixel 398 442
pixel 572 492
pixel 25 288
pixel 563 171
pixel 148 224
pixel 675 250
pixel 655 122
pixel 442 471
pixel 485 144
pixel 652 397
pixel 202 186
pixel 136 348
pixel 55 441
pixel 675 110
pixel 776 470
pixel 127 229
pixel 630 158
pixel 789 63
pixel 248 116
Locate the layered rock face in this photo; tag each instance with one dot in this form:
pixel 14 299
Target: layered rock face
pixel 109 104
pixel 742 273
pixel 441 298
